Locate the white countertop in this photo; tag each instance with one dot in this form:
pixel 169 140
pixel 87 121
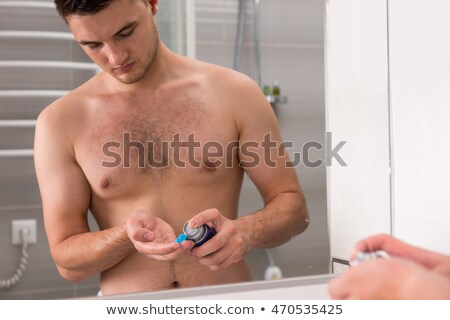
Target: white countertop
pixel 298 288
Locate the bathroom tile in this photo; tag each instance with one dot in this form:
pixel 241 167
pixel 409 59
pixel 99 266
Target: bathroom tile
pixel 24 78
pixel 22 107
pixel 41 279
pixel 43 18
pixel 16 138
pixel 18 183
pixel 42 49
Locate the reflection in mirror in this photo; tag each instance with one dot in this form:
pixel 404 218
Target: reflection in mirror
pixel 44 65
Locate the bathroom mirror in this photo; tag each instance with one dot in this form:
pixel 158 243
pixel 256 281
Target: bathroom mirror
pixel 39 61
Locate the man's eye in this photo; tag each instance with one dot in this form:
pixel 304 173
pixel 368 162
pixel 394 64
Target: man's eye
pixel 94 46
pixel 124 35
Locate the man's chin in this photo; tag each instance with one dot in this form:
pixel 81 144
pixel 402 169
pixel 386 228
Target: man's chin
pixel 128 79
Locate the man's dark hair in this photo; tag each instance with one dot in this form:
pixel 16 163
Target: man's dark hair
pixel 66 8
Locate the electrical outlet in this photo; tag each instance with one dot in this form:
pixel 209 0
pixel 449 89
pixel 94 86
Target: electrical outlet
pixel 17 225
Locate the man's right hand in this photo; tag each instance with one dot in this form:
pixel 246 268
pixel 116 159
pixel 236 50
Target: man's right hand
pixel 397 248
pixel 154 237
pixel 394 278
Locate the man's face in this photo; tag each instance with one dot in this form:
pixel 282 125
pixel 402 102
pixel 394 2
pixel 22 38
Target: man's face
pixel 121 39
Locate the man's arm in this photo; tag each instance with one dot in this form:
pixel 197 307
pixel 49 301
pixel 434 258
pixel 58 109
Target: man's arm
pixel 284 214
pixel 65 192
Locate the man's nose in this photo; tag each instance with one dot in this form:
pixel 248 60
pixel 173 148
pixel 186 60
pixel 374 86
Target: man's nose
pixel 117 56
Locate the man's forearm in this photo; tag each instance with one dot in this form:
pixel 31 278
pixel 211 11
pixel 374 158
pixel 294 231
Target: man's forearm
pixel 87 254
pixel 282 218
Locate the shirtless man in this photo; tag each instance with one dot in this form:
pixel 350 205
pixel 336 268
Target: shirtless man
pixel 146 93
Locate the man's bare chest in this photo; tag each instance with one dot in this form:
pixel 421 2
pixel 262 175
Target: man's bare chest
pixel 144 144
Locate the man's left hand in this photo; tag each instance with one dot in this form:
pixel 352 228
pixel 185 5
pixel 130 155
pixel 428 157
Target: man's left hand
pixel 227 247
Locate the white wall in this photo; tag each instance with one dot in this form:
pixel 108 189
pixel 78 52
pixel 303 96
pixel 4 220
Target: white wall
pixel 388 92
pixel 357 112
pixel 419 50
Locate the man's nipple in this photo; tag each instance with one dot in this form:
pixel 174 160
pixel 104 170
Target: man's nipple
pixel 104 184
pixel 210 166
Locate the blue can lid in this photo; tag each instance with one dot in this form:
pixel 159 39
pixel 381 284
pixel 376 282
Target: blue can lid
pixel 182 237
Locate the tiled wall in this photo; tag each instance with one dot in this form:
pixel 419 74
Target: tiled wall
pixel 19 194
pixel 292 51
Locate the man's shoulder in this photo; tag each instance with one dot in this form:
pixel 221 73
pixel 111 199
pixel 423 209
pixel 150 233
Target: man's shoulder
pixel 73 102
pixel 60 106
pixel 62 114
pixel 236 92
pixel 231 85
pixel 225 76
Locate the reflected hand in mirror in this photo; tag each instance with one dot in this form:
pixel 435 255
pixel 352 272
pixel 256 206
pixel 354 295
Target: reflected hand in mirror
pixel 409 273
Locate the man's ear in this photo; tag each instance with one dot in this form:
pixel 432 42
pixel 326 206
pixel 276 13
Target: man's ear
pixel 154 5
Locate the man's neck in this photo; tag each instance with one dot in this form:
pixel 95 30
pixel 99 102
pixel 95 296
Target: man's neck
pixel 165 68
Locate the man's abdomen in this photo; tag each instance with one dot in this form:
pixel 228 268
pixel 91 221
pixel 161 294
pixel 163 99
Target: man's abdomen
pixel 138 273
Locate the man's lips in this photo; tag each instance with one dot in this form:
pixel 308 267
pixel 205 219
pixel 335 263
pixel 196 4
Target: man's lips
pixel 124 68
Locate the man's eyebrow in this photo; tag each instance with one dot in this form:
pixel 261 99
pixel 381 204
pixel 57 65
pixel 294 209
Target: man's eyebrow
pixel 85 43
pixel 125 27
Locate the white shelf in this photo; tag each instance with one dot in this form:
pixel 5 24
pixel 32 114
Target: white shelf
pixel 32 93
pixel 17 123
pixel 27 4
pixel 13 153
pixel 49 64
pixel 13 34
